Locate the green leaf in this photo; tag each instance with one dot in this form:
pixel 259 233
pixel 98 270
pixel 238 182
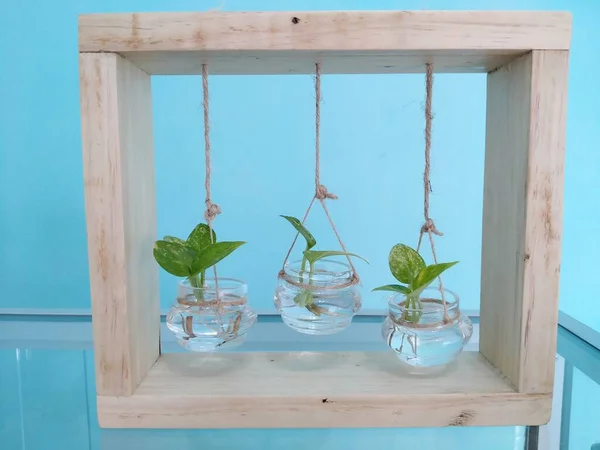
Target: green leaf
pixel 304 298
pixel 428 274
pixel 405 263
pixel 212 254
pixel 314 255
pixel 200 237
pixel 393 288
pixel 174 257
pixel 173 239
pixel 310 240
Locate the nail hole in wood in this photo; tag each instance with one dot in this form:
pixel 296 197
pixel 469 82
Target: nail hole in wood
pixel 295 20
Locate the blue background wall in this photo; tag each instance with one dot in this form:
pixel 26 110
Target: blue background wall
pixel 263 158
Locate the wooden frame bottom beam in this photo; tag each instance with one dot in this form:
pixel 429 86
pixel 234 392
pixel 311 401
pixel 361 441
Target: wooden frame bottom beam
pixel 318 390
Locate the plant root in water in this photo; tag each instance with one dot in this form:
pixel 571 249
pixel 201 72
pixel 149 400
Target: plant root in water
pixel 319 310
pixel 316 309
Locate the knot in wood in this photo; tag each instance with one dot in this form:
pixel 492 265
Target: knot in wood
pixel 212 211
pixel 429 226
pixel 322 193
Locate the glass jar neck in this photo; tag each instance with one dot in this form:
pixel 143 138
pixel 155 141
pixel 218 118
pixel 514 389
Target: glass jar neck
pixel 323 273
pixel 427 310
pixel 205 293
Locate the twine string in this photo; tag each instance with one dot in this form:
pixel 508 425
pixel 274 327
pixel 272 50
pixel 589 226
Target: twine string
pixel 212 209
pixel 429 225
pixel 321 192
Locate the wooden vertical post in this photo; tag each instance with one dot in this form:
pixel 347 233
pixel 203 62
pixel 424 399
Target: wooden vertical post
pixel 116 111
pixel 522 217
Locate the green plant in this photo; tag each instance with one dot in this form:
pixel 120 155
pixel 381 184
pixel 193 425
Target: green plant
pixel 192 257
pixel 408 267
pixel 305 298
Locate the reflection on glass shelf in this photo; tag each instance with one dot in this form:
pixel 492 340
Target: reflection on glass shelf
pixel 318 439
pixel 580 419
pixel 43 399
pixel 48 403
pixel 584 426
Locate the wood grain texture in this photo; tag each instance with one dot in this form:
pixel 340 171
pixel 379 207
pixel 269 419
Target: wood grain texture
pixel 522 218
pixel 343 41
pixel 321 390
pixel 303 62
pixel 116 114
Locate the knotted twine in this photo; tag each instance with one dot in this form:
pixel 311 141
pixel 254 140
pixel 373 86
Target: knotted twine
pixel 321 194
pixel 212 209
pixel 429 225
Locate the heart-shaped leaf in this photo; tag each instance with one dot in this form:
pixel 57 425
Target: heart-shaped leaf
pixel 428 274
pixel 310 240
pixel 314 255
pixel 174 257
pixel 304 298
pixel 200 237
pixel 173 239
pixel 212 254
pixel 405 263
pixel 393 288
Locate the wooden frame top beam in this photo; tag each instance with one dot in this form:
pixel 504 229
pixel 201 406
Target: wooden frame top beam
pixel 344 42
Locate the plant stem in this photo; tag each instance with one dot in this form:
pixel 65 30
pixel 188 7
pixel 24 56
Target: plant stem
pixel 194 281
pixel 419 306
pixel 302 269
pixel 197 283
pixel 414 307
pixel 312 307
pixel 202 285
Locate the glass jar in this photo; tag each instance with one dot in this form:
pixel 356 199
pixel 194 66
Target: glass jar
pixel 317 303
pixel 201 324
pixel 420 337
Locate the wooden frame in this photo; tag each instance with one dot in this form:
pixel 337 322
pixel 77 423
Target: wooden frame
pixel 509 382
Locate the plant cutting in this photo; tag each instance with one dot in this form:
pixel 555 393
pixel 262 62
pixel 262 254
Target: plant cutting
pixel 424 326
pixel 327 289
pixel 305 297
pixel 208 313
pixel 192 257
pixel 409 267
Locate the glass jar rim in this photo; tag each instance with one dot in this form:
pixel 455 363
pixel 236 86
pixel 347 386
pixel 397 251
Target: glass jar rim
pixel 451 304
pixel 226 284
pixel 323 276
pixel 292 268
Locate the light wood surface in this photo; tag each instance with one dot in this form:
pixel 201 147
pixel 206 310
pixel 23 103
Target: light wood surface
pixel 303 62
pixel 343 41
pixel 116 115
pixel 526 54
pixel 522 217
pixel 311 389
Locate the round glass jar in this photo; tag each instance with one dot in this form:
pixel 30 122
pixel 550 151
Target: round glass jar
pixel 317 303
pixel 201 324
pixel 421 338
